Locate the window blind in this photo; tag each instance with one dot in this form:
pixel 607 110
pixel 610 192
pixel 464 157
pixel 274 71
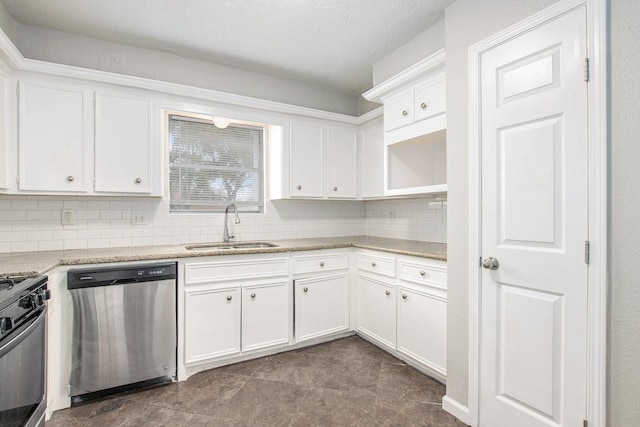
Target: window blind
pixel 209 168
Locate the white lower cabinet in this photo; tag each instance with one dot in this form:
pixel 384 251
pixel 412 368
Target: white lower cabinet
pixel 265 315
pixel 422 326
pixel 321 306
pixel 377 310
pixel 212 322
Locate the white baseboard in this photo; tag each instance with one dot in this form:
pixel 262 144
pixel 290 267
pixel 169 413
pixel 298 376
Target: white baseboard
pixel 456 409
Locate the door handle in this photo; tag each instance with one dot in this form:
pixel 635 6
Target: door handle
pixel 490 263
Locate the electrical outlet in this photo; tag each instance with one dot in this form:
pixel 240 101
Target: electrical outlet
pixel 139 218
pixel 392 215
pixel 67 216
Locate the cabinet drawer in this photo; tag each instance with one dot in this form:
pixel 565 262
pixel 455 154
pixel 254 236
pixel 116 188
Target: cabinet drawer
pixel 376 264
pixel 423 273
pixel 315 263
pixel 398 111
pixel 430 100
pixel 200 272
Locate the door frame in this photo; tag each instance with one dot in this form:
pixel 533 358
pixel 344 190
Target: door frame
pixel 597 206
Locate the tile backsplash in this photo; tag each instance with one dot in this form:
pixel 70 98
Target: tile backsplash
pixel 32 223
pixel 413 219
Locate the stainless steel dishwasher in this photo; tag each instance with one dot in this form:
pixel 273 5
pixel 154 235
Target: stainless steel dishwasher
pixel 124 328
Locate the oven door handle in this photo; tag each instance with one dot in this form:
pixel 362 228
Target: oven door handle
pixel 15 341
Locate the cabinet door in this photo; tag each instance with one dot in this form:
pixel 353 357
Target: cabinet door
pixel 321 306
pixel 123 143
pixel 341 162
pixel 212 323
pixel 377 310
pixel 53 129
pixel 306 160
pixel 431 100
pixel 4 159
pixel 422 327
pixel 265 315
pixel 398 111
pixel 372 172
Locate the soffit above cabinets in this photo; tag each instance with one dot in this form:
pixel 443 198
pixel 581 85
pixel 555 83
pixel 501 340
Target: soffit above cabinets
pixel 331 43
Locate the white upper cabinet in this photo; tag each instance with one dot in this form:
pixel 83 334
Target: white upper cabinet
pixel 415 123
pixel 341 162
pixel 306 161
pixel 4 159
pixel 316 161
pixel 74 140
pixel 372 160
pixel 123 139
pixel 53 129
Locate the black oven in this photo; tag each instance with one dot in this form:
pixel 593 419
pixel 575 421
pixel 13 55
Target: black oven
pixel 23 313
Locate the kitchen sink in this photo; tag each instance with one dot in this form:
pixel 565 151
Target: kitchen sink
pixel 235 245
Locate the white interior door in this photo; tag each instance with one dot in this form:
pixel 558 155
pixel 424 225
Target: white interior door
pixel 534 223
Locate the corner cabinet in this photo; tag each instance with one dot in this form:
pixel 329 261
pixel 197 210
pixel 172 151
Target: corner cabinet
pixel 415 124
pixel 316 160
pixel 72 139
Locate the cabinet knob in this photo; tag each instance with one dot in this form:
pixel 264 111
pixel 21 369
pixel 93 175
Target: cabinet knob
pixel 424 105
pixel 138 180
pixel 305 290
pixel 404 113
pixel 335 188
pixel 299 187
pixel 404 296
pixel 321 263
pixel 70 178
pixel 387 293
pixel 229 297
pixel 373 264
pixel 253 296
pixel 423 273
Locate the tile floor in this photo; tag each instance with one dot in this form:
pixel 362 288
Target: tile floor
pixel 347 382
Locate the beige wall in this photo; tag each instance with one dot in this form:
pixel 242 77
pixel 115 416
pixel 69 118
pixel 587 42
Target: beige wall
pixel 64 48
pixel 416 49
pixel 7 24
pixel 624 229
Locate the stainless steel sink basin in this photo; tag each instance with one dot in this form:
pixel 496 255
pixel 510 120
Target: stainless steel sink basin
pixel 234 245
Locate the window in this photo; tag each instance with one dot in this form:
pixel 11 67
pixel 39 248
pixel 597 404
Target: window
pixel 209 167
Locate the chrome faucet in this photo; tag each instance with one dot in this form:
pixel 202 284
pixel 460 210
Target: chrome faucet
pixel 225 236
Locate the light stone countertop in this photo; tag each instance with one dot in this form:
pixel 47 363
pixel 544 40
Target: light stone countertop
pixel 36 263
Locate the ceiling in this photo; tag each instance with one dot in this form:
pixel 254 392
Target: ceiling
pixel 331 43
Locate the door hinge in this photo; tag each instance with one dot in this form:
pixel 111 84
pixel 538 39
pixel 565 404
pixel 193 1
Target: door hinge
pixel 17 179
pixel 17 89
pixel 587 251
pixel 586 69
pixel 68 389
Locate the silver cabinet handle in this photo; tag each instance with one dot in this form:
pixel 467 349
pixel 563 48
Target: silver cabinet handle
pixel 387 293
pixel 335 188
pixel 373 264
pixel 305 290
pixel 229 297
pixel 424 105
pixel 423 273
pixel 321 263
pixel 404 296
pixel 138 180
pixel 253 296
pixel 490 263
pixel 70 178
pixel 299 187
pixel 404 113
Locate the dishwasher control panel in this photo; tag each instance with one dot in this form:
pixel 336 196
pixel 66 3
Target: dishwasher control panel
pixel 91 277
